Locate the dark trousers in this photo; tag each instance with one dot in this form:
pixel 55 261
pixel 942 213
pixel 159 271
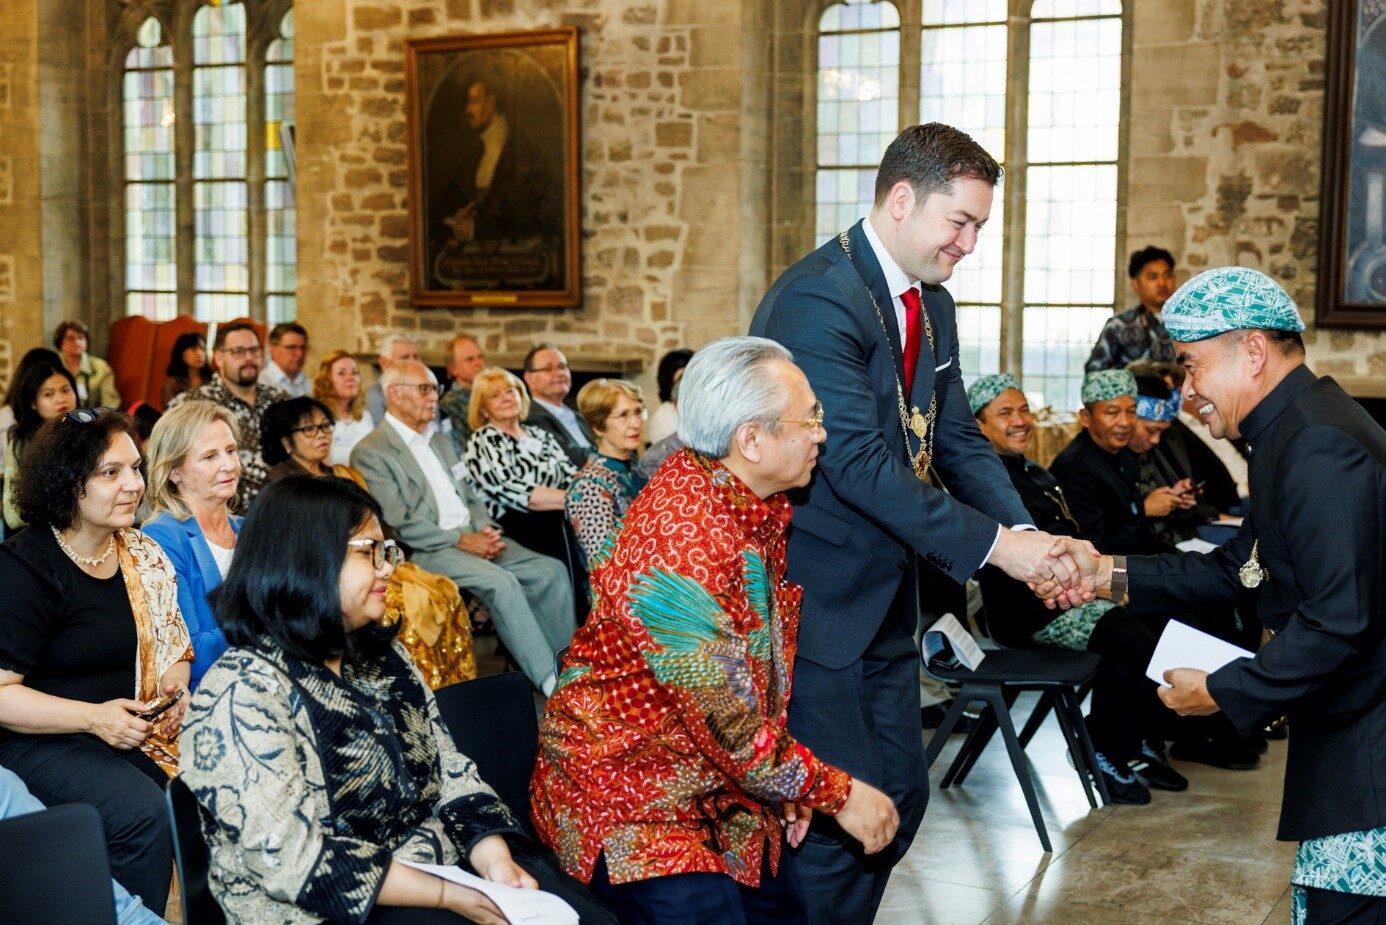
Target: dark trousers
pixel 706 899
pixel 1125 707
pixel 127 789
pixel 542 867
pixel 1328 907
pixel 863 719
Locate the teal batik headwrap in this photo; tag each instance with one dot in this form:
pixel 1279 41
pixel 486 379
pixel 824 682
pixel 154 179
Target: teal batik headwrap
pixel 1106 384
pixel 986 389
pixel 1159 409
pixel 1229 299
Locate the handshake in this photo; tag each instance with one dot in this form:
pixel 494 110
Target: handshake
pixel 1061 570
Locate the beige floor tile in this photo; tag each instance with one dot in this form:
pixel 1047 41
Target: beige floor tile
pixel 909 901
pixel 956 850
pixel 1280 915
pixel 1202 822
pixel 1033 910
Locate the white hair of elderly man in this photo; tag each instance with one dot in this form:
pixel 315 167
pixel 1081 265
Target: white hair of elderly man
pixel 728 383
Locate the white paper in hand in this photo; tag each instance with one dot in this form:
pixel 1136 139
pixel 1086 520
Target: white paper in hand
pixel 959 639
pixel 1195 544
pixel 520 907
pixel 1182 646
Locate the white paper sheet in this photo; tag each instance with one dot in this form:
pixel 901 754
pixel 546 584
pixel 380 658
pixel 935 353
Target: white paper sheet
pixel 1182 646
pixel 1195 545
pixel 961 641
pixel 520 907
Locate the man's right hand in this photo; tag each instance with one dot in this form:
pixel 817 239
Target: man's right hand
pixel 868 816
pixel 1161 502
pixel 1034 557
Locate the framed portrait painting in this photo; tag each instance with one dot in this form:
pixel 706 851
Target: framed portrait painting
pixel 493 169
pixel 1352 231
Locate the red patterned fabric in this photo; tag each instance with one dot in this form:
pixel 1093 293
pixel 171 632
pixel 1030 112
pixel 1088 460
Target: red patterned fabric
pixel 665 743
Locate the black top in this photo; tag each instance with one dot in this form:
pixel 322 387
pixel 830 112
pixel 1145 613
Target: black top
pixel 1318 518
pixel 68 634
pixel 1102 492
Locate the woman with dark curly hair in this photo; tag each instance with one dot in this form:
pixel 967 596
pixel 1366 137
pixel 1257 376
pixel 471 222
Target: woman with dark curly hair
pixel 315 748
pixel 91 640
pixel 45 392
pixel 187 366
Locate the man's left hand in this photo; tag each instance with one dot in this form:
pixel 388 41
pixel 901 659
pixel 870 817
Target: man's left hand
pixel 1187 693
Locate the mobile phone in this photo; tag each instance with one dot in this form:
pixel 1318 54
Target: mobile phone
pixel 160 708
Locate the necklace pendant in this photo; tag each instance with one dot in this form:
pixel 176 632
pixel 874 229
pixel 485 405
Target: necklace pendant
pixel 922 461
pixel 918 425
pixel 1251 573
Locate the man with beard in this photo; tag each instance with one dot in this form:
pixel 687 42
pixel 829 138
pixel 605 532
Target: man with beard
pixel 1312 553
pixel 238 357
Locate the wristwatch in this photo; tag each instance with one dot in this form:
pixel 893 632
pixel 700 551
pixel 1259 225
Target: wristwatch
pixel 1117 585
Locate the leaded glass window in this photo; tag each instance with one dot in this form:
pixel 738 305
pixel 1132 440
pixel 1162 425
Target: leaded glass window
pixel 147 89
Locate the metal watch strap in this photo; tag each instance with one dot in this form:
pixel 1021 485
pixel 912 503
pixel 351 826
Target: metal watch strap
pixel 1118 581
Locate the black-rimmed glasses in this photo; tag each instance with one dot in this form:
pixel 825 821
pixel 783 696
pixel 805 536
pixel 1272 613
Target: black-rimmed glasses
pixel 382 551
pixel 315 430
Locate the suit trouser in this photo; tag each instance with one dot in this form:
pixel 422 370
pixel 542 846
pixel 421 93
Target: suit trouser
pixel 864 719
pixel 529 596
pixel 1328 907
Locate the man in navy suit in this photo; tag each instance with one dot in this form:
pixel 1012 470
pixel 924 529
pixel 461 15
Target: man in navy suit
pixel 867 321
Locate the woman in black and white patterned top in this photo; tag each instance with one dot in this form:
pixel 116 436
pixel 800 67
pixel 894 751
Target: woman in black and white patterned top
pixel 520 471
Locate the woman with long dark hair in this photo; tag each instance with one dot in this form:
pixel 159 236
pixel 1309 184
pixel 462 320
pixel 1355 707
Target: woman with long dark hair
pixel 45 392
pixel 316 749
pixel 187 366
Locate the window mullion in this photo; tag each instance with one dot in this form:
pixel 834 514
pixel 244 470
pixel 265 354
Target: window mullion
pixel 255 179
pixel 1013 191
pixel 911 23
pixel 185 247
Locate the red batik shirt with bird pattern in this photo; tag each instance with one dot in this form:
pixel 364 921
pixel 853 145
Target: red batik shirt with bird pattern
pixel 666 744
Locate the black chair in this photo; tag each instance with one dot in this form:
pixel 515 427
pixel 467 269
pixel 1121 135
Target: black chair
pixel 54 868
pixel 997 682
pixel 492 721
pixel 191 856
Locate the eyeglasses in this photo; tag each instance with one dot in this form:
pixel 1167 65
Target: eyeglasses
pixel 315 430
pixel 85 415
pixel 554 368
pixel 633 414
pixel 241 353
pixel 812 423
pixel 382 551
pixel 423 388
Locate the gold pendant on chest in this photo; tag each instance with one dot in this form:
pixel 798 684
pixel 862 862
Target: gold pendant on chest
pixel 918 425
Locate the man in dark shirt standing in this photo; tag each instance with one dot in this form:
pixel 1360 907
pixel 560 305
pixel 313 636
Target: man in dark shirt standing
pixel 1138 333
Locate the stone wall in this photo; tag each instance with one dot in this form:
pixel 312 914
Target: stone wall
pixel 21 285
pixel 1226 124
pixel 673 135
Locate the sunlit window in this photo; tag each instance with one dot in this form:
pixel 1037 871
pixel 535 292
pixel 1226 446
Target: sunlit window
pixel 280 261
pixel 147 103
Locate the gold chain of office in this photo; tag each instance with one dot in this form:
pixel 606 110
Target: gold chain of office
pixel 912 421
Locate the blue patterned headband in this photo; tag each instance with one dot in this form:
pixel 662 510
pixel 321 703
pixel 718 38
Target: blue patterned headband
pixel 1159 409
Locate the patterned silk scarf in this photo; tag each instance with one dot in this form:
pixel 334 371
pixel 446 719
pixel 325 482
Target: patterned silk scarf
pixel 163 636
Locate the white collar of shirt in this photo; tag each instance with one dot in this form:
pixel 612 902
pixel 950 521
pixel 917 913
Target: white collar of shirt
pixel 896 279
pixel 493 138
pixel 278 375
pixel 409 435
pixel 569 419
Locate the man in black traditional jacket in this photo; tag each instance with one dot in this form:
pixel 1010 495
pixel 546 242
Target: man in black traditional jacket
pixel 1312 552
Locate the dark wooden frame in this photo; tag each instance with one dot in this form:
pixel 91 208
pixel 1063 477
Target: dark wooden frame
pixel 420 294
pixel 1333 309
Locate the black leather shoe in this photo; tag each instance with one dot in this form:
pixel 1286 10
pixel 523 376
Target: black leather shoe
pixel 1256 743
pixel 931 717
pixel 1276 732
pixel 1217 752
pixel 1123 788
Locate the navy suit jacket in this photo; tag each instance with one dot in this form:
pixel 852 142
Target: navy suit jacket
pixel 865 515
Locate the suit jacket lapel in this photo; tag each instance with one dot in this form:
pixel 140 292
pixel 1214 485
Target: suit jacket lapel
pixel 406 460
pixel 202 552
pixel 870 269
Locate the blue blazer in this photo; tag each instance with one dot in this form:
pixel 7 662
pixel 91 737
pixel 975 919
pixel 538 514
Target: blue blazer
pixel 864 517
pixel 197 572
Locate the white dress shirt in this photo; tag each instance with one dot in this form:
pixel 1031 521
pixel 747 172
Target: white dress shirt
pixel 297 387
pixel 452 510
pixel 346 434
pixel 569 419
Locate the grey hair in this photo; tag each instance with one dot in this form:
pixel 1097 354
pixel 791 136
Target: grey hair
pixel 399 371
pixel 387 343
pixel 727 384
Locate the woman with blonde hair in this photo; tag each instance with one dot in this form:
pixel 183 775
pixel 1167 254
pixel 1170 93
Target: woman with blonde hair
pixel 338 386
pixel 601 492
pixel 194 465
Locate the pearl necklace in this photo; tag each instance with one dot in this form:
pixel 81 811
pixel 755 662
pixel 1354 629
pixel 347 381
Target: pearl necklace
pixel 88 561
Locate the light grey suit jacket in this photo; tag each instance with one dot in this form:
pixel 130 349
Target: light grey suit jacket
pixel 397 482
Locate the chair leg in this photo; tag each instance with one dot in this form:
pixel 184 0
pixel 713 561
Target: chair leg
pixel 1068 700
pixel 1086 772
pixel 945 728
pixel 976 743
pixel 1021 768
pixel 1037 718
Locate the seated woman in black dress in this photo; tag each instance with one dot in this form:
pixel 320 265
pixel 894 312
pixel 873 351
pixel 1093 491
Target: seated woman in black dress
pixel 316 749
pixel 90 637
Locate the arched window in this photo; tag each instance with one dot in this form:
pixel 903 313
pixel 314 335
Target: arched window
pixel 216 96
pixel 1034 294
pixel 147 86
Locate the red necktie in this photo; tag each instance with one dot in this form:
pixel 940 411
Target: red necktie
pixel 912 309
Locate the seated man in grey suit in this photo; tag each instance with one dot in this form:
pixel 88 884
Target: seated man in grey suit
pixel 414 473
pixel 549 380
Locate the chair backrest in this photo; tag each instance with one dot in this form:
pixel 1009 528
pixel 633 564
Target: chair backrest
pixel 54 868
pixel 190 854
pixel 139 352
pixel 493 722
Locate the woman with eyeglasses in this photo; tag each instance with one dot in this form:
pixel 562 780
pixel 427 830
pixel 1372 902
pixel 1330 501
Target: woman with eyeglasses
pixel 520 470
pixel 90 641
pixel 194 468
pixel 295 437
pixel 46 391
pixel 601 492
pixel 316 750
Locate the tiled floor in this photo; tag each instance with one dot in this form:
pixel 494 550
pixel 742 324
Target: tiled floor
pixel 1206 855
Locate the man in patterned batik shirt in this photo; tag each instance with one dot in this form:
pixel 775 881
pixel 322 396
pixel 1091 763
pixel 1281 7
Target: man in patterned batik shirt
pixel 1138 333
pixel 1312 555
pixel 667 776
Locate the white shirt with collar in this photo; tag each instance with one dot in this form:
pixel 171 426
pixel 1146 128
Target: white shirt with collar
pixel 493 138
pixel 452 510
pixel 569 419
pixel 297 387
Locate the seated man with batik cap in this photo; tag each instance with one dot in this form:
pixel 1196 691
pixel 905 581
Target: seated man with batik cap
pixel 1125 711
pixel 1169 498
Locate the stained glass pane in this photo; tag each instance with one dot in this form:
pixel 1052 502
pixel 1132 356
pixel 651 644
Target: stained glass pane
pixel 843 196
pixel 1053 9
pixel 1056 342
pixel 280 242
pixel 962 82
pixel 1075 90
pixel 221 245
pixel 956 12
pixel 147 129
pixel 979 339
pixel 844 17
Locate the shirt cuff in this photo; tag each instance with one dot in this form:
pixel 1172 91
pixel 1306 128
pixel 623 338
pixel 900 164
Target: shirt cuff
pixel 999 528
